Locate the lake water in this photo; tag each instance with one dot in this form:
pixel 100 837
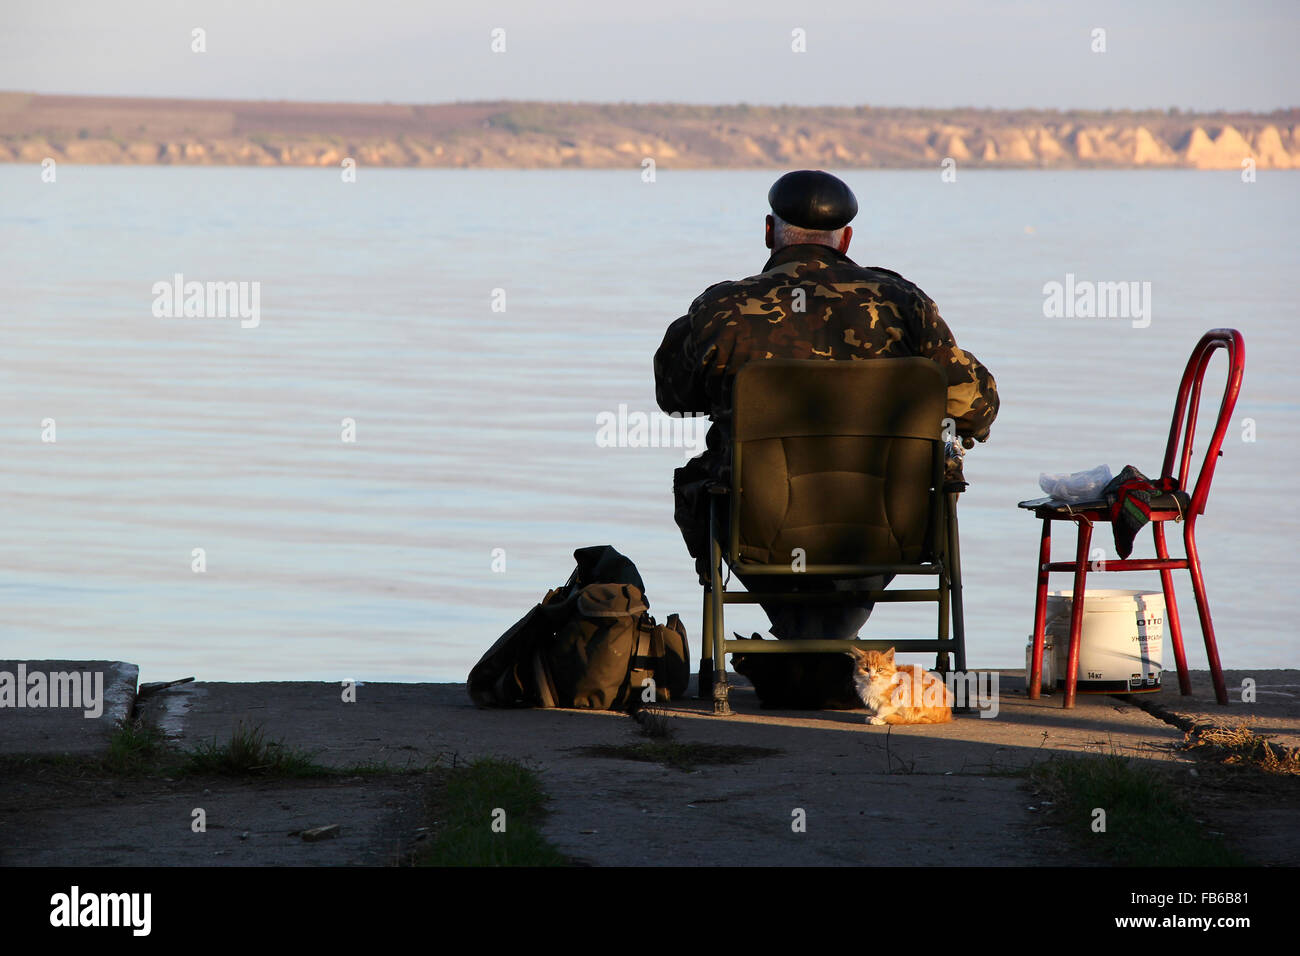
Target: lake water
pixel 476 429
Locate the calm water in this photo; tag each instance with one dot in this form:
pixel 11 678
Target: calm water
pixel 475 429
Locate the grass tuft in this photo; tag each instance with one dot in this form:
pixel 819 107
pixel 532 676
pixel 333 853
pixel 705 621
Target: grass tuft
pixel 1147 821
pixel 249 752
pixel 654 722
pixel 469 828
pixel 136 747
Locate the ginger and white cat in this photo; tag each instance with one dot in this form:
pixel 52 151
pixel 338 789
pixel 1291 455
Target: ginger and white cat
pixel 899 693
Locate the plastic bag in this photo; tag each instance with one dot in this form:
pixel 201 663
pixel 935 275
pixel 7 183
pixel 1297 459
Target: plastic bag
pixel 1080 486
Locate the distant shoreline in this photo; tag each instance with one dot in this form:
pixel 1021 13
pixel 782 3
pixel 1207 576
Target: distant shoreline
pixel 523 135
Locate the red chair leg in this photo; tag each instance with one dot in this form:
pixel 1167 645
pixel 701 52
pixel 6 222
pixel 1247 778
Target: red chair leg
pixel 1171 612
pixel 1076 611
pixel 1203 608
pixel 1040 612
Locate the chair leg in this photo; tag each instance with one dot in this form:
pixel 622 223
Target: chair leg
pixel 1203 607
pixel 721 705
pixel 943 659
pixel 1040 612
pixel 704 683
pixel 1171 612
pixel 954 560
pixel 1076 612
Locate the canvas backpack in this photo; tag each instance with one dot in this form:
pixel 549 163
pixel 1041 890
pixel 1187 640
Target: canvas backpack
pixel 590 643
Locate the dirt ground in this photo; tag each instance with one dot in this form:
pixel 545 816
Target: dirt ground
pixel 57 818
pixel 950 795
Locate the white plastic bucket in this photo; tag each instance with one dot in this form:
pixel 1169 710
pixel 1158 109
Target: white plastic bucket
pixel 1121 643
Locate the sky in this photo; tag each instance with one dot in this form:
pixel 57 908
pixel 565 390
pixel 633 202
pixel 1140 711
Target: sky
pixel 1008 54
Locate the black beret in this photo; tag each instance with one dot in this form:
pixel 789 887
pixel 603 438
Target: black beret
pixel 812 199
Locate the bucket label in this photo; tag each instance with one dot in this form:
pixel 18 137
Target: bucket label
pixel 1121 641
pixel 1149 637
pixel 1150 623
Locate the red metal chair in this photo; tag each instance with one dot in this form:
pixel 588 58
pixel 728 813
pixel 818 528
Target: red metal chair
pixel 1176 505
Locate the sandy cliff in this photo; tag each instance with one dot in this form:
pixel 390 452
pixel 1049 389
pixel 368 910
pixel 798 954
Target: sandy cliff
pixel 79 129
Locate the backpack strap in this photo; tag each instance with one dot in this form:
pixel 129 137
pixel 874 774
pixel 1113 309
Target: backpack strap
pixel 648 659
pixel 543 680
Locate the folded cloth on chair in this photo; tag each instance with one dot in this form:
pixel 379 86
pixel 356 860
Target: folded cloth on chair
pixel 1129 496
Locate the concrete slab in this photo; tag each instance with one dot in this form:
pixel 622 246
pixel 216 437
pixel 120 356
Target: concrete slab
pixel 78 705
pixel 839 791
pixel 1274 712
pixel 909 795
pixel 152 823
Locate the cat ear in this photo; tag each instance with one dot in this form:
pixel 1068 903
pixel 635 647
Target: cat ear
pixel 856 653
pixel 889 655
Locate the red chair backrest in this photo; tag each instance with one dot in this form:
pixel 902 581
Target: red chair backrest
pixel 1185 410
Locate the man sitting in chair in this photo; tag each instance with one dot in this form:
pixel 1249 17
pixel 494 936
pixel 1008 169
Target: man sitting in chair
pixel 810 301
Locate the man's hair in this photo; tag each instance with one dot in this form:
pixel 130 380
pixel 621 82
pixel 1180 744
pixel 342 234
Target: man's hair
pixel 784 234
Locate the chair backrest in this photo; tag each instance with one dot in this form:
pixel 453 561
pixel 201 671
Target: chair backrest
pixel 1183 428
pixel 842 459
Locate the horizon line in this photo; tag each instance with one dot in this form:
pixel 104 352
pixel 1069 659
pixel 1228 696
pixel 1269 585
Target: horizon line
pixel 1166 110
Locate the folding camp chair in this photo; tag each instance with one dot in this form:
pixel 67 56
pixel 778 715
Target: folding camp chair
pixel 837 471
pixel 1174 505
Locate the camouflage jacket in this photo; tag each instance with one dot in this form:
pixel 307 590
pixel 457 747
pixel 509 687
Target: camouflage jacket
pixel 848 312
